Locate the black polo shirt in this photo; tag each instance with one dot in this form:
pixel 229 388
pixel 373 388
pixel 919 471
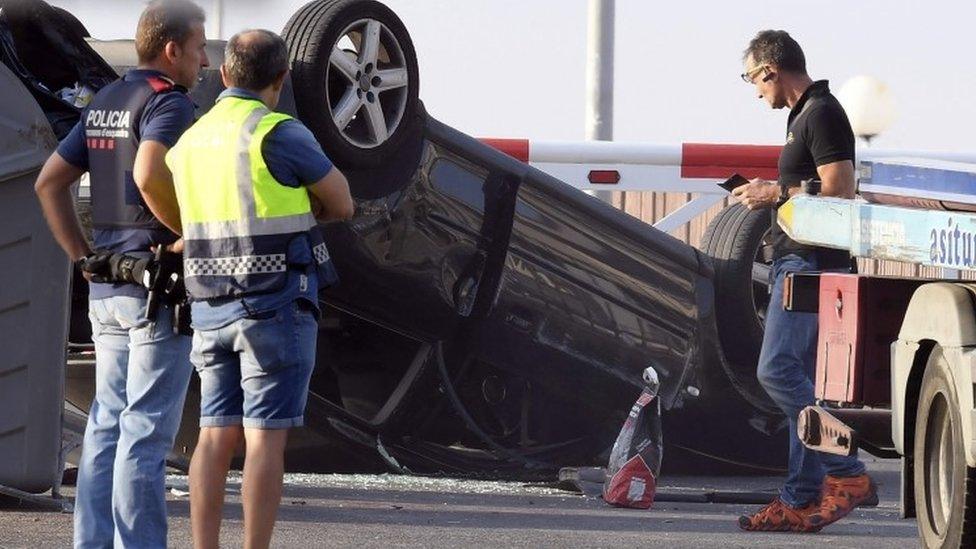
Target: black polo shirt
pixel 817 133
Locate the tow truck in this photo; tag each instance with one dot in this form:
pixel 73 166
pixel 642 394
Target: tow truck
pixel 896 358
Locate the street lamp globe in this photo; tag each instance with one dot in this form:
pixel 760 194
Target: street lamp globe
pixel 869 104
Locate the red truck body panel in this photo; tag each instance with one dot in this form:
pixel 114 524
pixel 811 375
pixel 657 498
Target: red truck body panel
pixel 859 318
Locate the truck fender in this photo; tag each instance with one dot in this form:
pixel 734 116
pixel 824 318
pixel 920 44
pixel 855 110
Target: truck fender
pixel 944 314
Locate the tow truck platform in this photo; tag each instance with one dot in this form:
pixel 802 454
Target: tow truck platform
pixel 897 232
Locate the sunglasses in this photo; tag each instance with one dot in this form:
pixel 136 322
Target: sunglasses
pixel 750 75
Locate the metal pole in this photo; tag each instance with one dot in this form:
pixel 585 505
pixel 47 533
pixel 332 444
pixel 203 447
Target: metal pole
pixel 218 19
pixel 599 76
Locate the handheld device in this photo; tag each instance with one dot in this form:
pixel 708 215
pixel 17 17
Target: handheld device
pixel 735 181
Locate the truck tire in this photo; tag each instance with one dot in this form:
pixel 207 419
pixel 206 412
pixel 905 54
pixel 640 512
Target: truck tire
pixel 354 72
pixel 734 240
pixel 945 487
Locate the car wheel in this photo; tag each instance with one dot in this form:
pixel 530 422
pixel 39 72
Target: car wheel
pixel 354 73
pixel 945 487
pixel 735 241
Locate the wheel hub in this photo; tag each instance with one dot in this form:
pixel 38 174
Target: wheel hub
pixel 368 83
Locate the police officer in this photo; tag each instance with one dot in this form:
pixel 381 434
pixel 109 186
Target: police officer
pixel 142 368
pixel 246 180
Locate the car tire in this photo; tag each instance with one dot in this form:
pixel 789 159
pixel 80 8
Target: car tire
pixel 945 487
pixel 735 241
pixel 358 96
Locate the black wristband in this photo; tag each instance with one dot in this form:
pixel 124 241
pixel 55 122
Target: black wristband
pixel 784 195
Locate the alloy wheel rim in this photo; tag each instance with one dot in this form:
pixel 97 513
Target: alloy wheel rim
pixel 367 83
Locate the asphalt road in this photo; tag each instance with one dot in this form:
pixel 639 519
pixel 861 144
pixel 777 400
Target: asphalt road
pixel 395 511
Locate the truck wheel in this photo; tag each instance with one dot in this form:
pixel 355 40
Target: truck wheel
pixel 734 241
pixel 354 73
pixel 945 487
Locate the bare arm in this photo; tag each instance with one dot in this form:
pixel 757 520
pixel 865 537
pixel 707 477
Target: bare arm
pixel 155 183
pixel 837 179
pixel 53 188
pixel 332 194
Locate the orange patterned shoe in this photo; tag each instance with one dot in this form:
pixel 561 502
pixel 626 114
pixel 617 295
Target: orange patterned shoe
pixel 841 495
pixel 780 517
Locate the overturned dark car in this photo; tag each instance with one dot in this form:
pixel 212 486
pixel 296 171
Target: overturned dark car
pixel 490 320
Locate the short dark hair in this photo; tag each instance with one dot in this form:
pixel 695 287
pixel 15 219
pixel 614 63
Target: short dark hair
pixel 165 21
pixel 776 47
pixel 255 58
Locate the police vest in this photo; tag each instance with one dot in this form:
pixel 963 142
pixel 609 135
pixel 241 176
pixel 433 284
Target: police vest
pixel 237 219
pixel 111 133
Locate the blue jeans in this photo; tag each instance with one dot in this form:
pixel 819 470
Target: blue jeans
pixel 142 370
pixel 255 371
pixel 786 368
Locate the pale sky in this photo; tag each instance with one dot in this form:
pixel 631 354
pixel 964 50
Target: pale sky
pixel 516 68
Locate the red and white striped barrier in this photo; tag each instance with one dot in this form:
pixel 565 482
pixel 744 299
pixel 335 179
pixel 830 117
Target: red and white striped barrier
pixel 685 168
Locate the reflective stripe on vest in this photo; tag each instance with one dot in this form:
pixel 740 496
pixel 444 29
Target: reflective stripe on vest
pixel 271 263
pixel 237 219
pixel 248 264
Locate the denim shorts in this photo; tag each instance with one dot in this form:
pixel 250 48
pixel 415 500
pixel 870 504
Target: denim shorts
pixel 255 371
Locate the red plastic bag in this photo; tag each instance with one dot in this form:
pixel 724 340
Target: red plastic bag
pixel 635 460
pixel 632 486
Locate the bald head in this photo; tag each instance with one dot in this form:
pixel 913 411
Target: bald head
pixel 254 59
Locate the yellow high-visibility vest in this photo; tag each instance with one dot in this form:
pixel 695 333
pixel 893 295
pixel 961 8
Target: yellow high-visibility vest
pixel 237 219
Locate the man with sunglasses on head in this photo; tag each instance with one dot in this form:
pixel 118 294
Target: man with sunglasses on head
pixel 820 488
